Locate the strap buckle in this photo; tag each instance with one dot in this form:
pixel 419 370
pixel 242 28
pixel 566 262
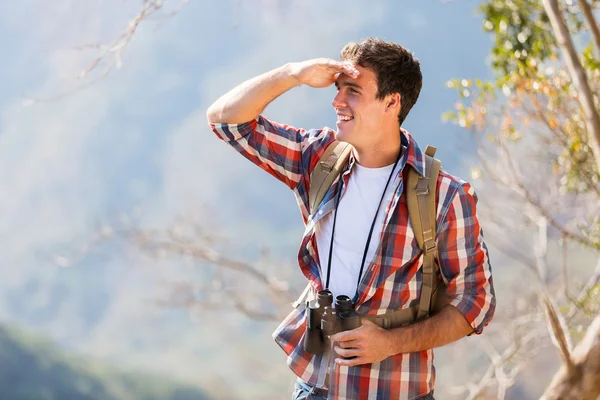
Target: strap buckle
pixel 422 187
pixel 317 391
pixel 429 245
pixel 423 192
pixel 327 166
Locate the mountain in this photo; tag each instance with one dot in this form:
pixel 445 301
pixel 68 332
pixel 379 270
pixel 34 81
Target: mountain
pixel 33 368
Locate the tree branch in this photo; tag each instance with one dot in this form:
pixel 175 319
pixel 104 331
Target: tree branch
pixel 110 54
pixel 577 72
pixel 589 16
pixel 559 333
pixel 585 383
pixel 592 281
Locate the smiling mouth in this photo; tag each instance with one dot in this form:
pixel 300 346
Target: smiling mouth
pixel 344 118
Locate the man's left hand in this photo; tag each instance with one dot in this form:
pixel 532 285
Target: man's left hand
pixel 367 344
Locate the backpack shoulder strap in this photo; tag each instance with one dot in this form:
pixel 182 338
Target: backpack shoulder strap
pixel 327 169
pixel 421 196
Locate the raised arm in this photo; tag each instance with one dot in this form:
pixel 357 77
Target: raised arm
pixel 247 101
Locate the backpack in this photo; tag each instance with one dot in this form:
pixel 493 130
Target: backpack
pixel 421 193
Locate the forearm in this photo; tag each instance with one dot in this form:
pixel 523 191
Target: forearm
pixel 445 327
pixel 247 101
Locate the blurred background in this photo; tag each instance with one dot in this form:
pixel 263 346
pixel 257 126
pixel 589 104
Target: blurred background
pixel 142 258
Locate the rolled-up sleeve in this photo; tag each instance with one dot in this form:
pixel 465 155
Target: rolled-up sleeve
pixel 281 150
pixel 464 260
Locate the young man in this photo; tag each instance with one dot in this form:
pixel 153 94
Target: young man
pixel 378 83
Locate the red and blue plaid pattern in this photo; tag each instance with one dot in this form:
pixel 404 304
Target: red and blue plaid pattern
pixel 392 280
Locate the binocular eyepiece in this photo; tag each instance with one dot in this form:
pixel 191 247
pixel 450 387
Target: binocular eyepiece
pixel 323 320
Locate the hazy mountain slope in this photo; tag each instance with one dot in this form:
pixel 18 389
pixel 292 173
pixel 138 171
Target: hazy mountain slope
pixel 35 369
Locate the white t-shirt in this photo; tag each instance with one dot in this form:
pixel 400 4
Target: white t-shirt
pixel 354 218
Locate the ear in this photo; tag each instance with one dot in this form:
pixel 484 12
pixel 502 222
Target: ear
pixel 393 102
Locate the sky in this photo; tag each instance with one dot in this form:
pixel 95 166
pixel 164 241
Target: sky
pixel 76 157
pixel 139 135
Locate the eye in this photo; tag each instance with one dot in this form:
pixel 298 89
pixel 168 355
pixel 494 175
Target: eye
pixel 352 90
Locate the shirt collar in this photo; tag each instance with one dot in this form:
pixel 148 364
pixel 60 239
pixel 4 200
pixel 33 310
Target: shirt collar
pixel 416 158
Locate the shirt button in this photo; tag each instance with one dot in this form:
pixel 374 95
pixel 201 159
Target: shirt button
pixel 320 212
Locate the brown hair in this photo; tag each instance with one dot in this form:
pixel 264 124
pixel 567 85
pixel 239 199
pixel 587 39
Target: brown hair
pixel 396 69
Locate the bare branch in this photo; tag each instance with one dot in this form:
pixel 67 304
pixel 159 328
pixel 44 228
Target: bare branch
pixel 565 276
pixel 541 250
pixel 584 384
pixel 110 54
pixel 237 285
pixel 525 343
pixel 559 333
pixel 592 281
pixel 516 184
pixel 552 221
pixel 184 296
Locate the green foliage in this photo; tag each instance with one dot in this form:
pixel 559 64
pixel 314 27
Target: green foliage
pixel 589 61
pixel 522 35
pixel 34 369
pixel 532 92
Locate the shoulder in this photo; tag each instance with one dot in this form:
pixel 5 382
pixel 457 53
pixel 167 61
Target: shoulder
pixel 315 142
pixel 324 135
pixel 449 184
pixel 454 191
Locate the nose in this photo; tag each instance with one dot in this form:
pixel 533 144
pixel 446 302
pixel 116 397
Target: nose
pixel 339 102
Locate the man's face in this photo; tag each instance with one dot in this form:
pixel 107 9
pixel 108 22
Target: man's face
pixel 360 115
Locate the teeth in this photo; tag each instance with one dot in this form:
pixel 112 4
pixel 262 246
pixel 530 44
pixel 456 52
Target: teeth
pixel 344 118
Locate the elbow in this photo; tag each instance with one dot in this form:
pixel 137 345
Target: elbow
pixel 218 113
pixel 212 115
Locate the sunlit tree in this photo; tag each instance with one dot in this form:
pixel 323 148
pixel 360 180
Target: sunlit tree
pixel 537 129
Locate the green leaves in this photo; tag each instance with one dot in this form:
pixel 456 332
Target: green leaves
pixel 532 93
pixel 522 35
pixel 589 61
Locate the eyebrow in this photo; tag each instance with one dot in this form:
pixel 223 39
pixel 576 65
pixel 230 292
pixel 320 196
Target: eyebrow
pixel 346 83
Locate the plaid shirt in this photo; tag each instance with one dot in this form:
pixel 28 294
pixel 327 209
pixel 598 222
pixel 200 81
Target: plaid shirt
pixel 392 280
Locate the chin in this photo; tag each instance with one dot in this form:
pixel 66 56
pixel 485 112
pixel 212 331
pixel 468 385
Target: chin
pixel 343 136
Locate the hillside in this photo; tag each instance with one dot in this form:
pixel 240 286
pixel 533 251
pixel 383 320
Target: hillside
pixel 35 369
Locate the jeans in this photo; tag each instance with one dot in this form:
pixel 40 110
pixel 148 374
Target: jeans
pixel 302 392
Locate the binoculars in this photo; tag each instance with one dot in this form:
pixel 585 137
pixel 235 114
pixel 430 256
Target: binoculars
pixel 324 320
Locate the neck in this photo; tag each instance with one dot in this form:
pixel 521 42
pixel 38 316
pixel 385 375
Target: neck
pixel 379 155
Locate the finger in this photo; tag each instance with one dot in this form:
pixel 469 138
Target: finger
pixel 344 336
pixel 351 344
pixel 347 352
pixel 350 70
pixel 350 362
pixel 333 63
pixel 343 67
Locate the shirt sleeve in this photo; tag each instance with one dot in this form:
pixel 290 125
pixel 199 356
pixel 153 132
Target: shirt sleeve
pixel 283 151
pixel 464 261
